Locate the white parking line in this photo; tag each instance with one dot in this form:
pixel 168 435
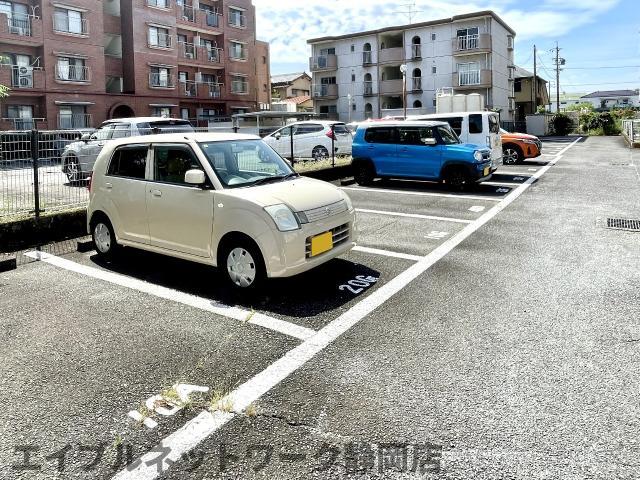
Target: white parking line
pixel 502 184
pixel 515 174
pixel 206 423
pixel 387 253
pixel 205 304
pixel 413 215
pixel 422 194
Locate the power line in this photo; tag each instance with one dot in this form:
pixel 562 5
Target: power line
pixel 606 83
pixel 597 68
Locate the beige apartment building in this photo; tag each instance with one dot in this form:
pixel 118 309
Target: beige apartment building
pixel 360 75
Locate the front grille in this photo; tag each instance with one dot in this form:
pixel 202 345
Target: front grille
pixel 339 235
pixel 624 224
pixel 326 211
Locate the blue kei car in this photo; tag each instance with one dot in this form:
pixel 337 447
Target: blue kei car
pixel 424 150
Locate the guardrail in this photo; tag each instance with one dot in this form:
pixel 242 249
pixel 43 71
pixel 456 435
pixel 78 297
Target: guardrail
pixel 631 132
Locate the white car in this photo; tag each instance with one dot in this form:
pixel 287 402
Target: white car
pixel 311 139
pixel 78 157
pixel 226 200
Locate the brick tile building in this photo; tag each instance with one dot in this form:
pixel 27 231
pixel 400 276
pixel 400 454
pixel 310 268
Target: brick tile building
pixel 75 63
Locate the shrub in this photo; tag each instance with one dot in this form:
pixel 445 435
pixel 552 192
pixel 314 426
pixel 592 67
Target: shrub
pixel 561 124
pixel 581 107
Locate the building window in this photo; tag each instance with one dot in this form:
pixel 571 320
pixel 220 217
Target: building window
pixel 353 107
pixel 237 50
pixel 353 48
pixel 114 84
pixel 353 77
pixel 73 116
pixel 434 69
pixel 158 3
pixel 71 69
pixel 433 37
pixel 69 21
pixel 164 112
pixel 21 116
pixel 239 84
pixel 237 18
pixel 517 85
pixel 159 37
pixel 160 77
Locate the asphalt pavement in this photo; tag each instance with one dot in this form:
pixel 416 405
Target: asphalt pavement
pixel 489 334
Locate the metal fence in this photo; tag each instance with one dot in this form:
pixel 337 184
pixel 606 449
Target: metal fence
pixel 39 174
pixel 631 131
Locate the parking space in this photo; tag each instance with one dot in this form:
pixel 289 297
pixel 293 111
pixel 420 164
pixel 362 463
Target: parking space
pixel 180 327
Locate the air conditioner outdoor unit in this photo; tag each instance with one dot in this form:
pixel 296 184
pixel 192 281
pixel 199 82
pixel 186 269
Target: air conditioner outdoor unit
pixel 17 30
pixel 25 77
pixel 316 94
pixel 188 55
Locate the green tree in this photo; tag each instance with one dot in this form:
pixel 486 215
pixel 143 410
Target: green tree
pixel 581 107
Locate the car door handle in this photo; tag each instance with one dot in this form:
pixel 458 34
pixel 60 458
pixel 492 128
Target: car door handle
pixel 156 193
pixel 108 186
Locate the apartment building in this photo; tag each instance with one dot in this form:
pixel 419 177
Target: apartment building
pixel 75 63
pixel 360 75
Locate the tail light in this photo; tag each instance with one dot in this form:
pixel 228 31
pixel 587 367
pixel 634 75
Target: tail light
pixel 331 134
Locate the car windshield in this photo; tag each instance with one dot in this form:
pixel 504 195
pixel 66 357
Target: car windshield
pixel 164 126
pixel 448 136
pixel 242 163
pixel 503 131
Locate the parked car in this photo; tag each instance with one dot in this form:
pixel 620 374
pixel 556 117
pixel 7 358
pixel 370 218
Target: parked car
pixel 479 128
pixel 420 150
pixel 78 157
pixel 226 200
pixel 311 139
pixel 518 146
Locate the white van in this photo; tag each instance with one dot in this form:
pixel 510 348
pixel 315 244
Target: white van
pixel 479 128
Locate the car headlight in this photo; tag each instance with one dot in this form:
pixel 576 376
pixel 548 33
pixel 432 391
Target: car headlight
pixel 526 140
pixel 283 217
pixel 477 155
pixel 347 201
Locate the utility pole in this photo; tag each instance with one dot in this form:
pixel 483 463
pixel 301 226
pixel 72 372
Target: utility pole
pixel 559 61
pixel 535 81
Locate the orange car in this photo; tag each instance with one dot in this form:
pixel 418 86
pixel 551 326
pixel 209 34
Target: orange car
pixel 518 146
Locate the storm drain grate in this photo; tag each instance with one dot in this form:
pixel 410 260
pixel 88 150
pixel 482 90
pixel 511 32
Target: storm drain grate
pixel 624 224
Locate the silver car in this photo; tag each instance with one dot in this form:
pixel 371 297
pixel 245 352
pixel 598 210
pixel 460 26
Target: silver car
pixel 78 157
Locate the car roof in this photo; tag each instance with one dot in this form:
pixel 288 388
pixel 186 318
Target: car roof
pixel 403 123
pixel 322 122
pixel 144 120
pixel 184 137
pixel 453 114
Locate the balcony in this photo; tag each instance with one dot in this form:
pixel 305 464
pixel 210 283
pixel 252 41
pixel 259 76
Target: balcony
pixel 194 54
pixel 64 24
pixel 391 86
pixel 71 121
pixel 198 18
pixel 159 3
pixel 188 89
pixel 391 55
pixel 212 90
pixel 22 78
pixel 73 73
pixel 471 79
pixel 325 92
pixel 416 51
pixel 20 29
pixel 367 90
pixel 323 62
pixel 22 123
pixel 416 84
pixel 399 112
pixel 161 80
pixel 469 44
pixel 367 58
pixel 161 40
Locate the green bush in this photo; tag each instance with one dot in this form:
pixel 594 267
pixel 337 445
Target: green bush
pixel 581 107
pixel 561 124
pixel 599 123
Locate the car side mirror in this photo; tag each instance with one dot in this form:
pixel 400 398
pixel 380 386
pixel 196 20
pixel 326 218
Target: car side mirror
pixel 277 136
pixel 194 177
pixel 85 137
pixel 429 141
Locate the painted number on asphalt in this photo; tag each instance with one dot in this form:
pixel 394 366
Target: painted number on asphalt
pixel 435 235
pixel 358 285
pixel 517 179
pixel 502 190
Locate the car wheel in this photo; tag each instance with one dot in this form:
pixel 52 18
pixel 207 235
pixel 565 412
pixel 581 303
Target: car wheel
pixel 243 265
pixel 511 155
pixel 72 170
pixel 363 174
pixel 457 179
pixel 320 153
pixel 104 238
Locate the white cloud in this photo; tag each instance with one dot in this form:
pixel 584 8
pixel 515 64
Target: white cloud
pixel 288 24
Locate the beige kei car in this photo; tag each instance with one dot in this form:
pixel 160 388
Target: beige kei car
pixel 222 199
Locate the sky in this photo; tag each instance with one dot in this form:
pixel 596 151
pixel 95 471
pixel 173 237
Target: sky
pixel 600 39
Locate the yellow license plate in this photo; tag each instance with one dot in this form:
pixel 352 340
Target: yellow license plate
pixel 486 171
pixel 321 243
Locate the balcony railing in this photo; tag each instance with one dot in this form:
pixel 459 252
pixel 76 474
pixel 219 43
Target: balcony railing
pixel 416 50
pixel 20 24
pixel 472 43
pixel 391 86
pixel 325 91
pixel 395 54
pixel 25 77
pixel 215 89
pixel 323 62
pixel 237 20
pixel 367 88
pixel 161 40
pixel 69 121
pixel 416 84
pixel 367 58
pixel 239 86
pixel 204 18
pixel 73 73
pixel 188 89
pixel 468 42
pixel 159 3
pixel 470 77
pixel 62 23
pixel 161 80
pixel 22 123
